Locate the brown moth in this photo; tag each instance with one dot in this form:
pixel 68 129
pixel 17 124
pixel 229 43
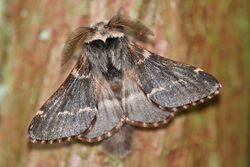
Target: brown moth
pixel 116 85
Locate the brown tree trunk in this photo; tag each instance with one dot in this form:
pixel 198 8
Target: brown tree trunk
pixel 211 34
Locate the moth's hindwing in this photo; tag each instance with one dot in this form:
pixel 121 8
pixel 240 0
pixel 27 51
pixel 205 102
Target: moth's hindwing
pixel 169 84
pixel 110 115
pixel 139 109
pixel 70 111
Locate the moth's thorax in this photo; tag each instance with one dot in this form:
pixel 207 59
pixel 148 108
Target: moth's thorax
pixel 102 31
pixel 109 58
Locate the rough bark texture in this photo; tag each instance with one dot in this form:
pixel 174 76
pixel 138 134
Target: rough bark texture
pixel 210 34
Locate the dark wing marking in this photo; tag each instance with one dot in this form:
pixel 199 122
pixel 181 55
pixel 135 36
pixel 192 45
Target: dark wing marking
pixel 140 111
pixel 170 84
pixel 109 117
pixel 69 111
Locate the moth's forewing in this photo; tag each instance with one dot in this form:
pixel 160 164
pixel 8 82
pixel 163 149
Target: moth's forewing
pixel 170 84
pixel 69 111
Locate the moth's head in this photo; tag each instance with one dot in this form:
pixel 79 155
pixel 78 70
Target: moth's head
pixel 102 31
pixel 118 26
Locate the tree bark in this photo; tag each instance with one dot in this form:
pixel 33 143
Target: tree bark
pixel 213 35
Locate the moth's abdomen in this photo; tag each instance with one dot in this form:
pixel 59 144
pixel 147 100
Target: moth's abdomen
pixel 121 143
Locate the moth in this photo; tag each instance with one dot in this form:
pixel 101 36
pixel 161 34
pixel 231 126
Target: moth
pixel 116 85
